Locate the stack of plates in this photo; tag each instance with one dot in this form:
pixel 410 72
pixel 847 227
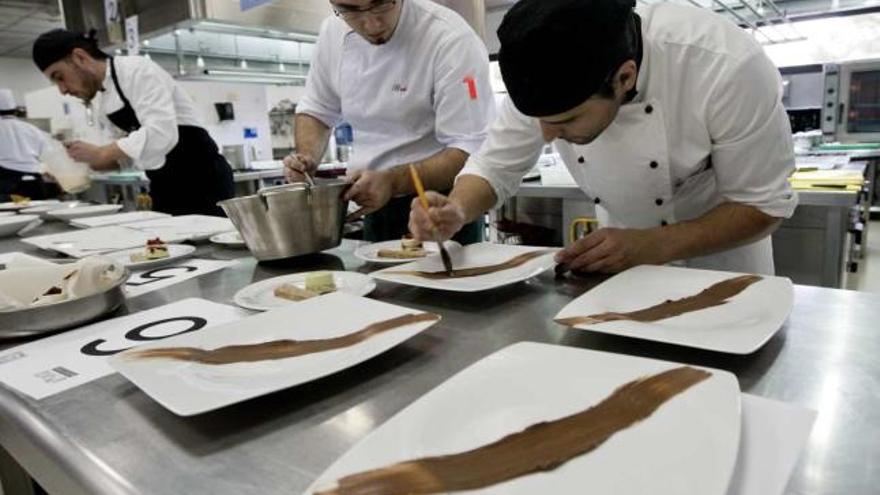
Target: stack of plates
pixel 69 214
pixel 11 225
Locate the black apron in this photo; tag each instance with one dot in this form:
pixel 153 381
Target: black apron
pixel 195 175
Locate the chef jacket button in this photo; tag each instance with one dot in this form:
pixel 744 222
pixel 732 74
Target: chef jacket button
pixel 659 201
pixel 649 109
pixel 664 223
pixel 654 164
pixel 597 201
pixel 580 159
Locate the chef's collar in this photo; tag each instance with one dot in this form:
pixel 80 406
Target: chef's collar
pixel 402 23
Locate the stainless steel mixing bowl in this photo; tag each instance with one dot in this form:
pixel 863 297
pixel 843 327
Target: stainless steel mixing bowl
pixel 290 220
pixel 63 315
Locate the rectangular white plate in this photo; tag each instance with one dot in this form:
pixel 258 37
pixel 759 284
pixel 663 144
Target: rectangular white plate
pixel 482 254
pixel 773 435
pixel 192 388
pixel 117 219
pixel 688 446
pixel 741 326
pixel 89 242
pixel 188 227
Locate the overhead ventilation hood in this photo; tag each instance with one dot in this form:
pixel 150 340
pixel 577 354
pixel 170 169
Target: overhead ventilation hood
pixel 251 41
pixel 276 18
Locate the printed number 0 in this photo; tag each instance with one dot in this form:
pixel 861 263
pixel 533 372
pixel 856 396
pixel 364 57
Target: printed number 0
pixel 136 335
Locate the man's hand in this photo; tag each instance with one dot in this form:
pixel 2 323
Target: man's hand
pixel 446 215
pixel 100 158
pixel 371 190
pixel 613 250
pixel 297 165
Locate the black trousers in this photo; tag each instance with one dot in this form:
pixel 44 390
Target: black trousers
pixel 28 185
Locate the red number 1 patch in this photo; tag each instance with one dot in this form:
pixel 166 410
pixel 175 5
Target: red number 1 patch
pixel 472 86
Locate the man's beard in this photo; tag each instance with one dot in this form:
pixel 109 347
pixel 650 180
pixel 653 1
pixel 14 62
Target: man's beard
pixel 91 84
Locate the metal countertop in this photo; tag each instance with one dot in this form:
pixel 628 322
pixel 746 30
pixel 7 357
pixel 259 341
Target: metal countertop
pixel 108 437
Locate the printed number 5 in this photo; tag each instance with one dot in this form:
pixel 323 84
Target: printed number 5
pixel 150 277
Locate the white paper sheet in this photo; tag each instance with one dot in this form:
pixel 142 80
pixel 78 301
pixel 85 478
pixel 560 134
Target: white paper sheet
pixel 145 281
pixel 64 361
pixel 5 257
pixel 772 437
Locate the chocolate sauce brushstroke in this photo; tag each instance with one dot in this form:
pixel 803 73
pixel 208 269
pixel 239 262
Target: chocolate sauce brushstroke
pixel 278 349
pixel 477 270
pixel 715 295
pixel 540 447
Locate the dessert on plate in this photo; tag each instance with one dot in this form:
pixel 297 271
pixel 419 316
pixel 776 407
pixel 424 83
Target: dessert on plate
pixel 316 284
pixel 409 248
pixel 156 249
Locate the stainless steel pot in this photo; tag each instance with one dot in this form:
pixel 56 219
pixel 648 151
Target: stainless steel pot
pixel 63 315
pixel 290 220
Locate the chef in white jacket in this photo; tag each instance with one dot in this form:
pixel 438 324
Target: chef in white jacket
pixel 20 147
pixel 669 118
pixel 412 79
pixel 157 124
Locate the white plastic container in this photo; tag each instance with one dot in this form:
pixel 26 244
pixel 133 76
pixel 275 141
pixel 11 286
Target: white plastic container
pixel 72 176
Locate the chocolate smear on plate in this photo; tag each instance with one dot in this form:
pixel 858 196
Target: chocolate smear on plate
pixel 539 447
pixel 476 271
pixel 715 295
pixel 278 349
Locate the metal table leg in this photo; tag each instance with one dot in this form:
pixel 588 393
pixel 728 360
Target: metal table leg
pixel 15 480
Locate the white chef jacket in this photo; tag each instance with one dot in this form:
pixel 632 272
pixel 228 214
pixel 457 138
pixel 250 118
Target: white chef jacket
pixel 727 133
pixel 21 145
pixel 159 103
pixel 424 90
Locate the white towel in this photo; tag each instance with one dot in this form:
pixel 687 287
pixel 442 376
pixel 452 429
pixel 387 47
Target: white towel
pixel 36 284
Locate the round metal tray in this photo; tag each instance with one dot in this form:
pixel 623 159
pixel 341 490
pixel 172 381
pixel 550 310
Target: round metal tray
pixel 63 315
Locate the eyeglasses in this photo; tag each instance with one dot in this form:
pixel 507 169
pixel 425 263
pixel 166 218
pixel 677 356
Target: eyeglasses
pixel 379 8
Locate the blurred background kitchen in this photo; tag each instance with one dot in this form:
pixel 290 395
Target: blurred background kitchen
pixel 244 63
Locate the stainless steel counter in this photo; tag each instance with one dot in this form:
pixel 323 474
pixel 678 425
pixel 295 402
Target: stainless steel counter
pixel 811 248
pixel 108 437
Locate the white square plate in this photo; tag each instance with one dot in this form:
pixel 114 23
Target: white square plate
pixel 175 253
pixel 187 388
pixel 473 255
pixel 88 242
pixel 117 219
pixel 68 214
pixel 741 326
pixel 688 446
pixel 187 227
pixel 10 206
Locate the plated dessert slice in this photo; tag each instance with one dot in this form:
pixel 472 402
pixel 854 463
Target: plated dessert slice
pixel 409 249
pixel 293 293
pixel 156 249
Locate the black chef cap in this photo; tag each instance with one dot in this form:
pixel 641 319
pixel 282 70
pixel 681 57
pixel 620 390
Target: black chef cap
pixel 56 44
pixel 557 53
